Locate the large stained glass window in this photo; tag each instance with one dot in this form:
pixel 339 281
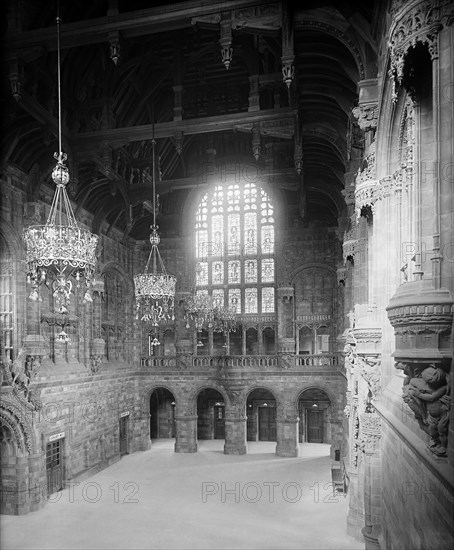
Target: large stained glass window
pixel 234 247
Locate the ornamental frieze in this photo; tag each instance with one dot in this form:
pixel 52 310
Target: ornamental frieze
pixel 370 192
pixel 368 172
pixel 370 432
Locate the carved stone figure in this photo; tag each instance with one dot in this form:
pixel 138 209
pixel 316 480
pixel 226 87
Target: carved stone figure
pixel 427 395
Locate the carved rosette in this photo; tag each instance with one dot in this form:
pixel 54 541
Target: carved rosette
pixel 415 22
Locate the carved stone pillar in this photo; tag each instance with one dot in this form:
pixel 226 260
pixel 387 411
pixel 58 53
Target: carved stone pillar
pixel 286 331
pixel 287 436
pixel 186 433
pixel 370 443
pixel 235 434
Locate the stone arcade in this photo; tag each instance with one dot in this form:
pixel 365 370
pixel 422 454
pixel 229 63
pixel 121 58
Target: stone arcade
pixel 304 177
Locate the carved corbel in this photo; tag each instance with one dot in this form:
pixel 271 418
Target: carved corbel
pixel 16 77
pixel 367 116
pixel 114 46
pixel 256 140
pixel 226 40
pixel 288 57
pixel 178 141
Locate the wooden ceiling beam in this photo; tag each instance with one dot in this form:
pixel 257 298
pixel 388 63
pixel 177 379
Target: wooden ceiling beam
pixel 117 137
pixel 135 23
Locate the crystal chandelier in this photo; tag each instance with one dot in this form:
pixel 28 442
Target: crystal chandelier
pixel 200 311
pixel 203 311
pixel 199 307
pixel 60 250
pixel 225 319
pixel 155 290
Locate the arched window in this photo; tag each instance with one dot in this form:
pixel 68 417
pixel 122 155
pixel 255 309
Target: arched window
pixel 235 247
pixel 6 301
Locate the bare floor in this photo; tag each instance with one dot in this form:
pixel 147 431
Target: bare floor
pixel 159 499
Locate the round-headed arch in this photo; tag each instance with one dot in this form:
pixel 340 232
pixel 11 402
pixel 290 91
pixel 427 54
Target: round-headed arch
pixel 319 387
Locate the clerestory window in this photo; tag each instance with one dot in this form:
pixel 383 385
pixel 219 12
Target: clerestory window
pixel 235 247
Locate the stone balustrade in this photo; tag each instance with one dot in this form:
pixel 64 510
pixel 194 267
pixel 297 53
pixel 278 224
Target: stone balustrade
pixel 243 362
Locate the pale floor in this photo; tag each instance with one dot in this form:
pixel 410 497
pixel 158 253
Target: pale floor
pixel 159 499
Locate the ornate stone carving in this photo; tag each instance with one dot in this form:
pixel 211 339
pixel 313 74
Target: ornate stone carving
pixel 426 391
pixel 367 115
pixel 415 22
pixel 12 415
pixel 20 375
pixel 349 194
pixel 366 184
pixel 370 432
pixel 184 361
pixel 370 370
pixel 351 246
pixel 421 315
pixel 286 294
pixel 286 360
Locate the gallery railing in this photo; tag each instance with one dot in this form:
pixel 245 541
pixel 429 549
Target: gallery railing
pixel 300 363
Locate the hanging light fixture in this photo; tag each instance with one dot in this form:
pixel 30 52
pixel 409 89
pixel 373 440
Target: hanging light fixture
pixel 225 319
pixel 155 290
pixel 60 250
pixel 199 307
pixel 203 311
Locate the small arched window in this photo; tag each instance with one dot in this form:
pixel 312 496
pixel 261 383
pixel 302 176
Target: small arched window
pixel 235 247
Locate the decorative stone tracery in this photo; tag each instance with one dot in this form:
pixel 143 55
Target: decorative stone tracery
pixel 415 22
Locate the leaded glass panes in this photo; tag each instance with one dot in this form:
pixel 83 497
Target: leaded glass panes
pixel 202 274
pixel 250 233
pixel 266 208
pixel 233 198
pixel 218 296
pixel 235 299
pixel 201 244
pixel 217 273
pixel 237 220
pixel 217 229
pixel 250 271
pixel 250 300
pixel 234 234
pixel 250 197
pixel 268 299
pixel 267 274
pixel 202 214
pixel 267 239
pixel 217 205
pixel 234 272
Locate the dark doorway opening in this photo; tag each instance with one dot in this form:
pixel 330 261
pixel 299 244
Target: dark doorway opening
pixel 162 414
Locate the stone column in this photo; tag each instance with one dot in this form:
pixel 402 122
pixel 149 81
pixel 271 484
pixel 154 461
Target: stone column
pixel 140 440
pixel 186 433
pixel 370 441
pixel 235 434
pixel 287 437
